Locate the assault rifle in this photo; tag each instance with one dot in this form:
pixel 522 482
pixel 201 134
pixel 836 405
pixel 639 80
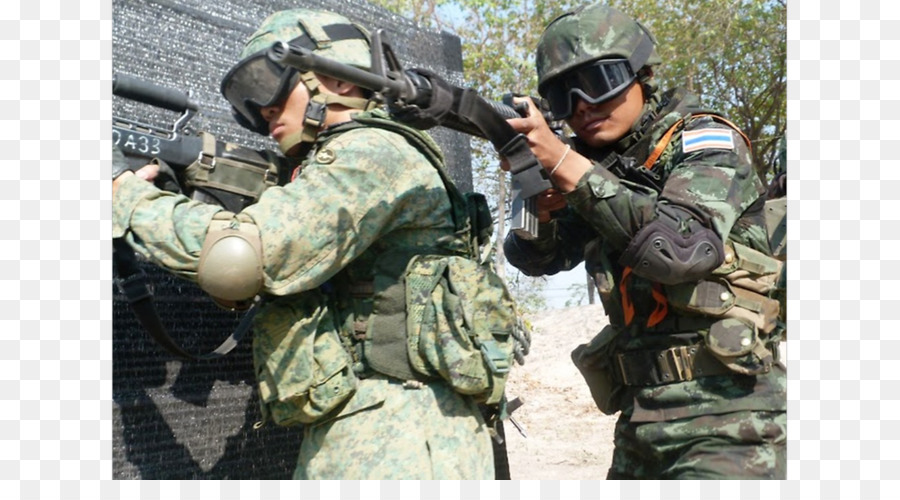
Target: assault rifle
pixel 206 169
pixel 200 166
pixel 422 99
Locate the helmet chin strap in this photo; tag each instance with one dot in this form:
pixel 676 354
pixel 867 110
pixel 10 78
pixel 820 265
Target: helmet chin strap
pixel 316 109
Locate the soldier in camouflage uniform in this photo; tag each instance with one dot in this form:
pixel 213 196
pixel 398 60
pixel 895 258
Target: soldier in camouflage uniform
pixel 367 187
pixel 659 199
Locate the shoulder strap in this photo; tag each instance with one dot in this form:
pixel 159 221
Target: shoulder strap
pixel 667 137
pixel 133 283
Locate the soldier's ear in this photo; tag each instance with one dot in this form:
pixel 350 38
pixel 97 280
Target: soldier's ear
pixel 338 87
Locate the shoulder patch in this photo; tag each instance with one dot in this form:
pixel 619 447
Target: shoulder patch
pixel 707 138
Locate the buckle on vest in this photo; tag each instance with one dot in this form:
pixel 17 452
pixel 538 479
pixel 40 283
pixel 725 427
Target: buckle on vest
pixel 677 361
pixel 135 287
pixel 206 160
pixel 675 364
pixel 496 360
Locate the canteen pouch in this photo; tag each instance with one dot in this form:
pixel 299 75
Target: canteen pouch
pixel 460 320
pixel 304 372
pixel 595 361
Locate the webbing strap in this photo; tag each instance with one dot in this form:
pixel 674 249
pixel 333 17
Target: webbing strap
pixel 528 175
pixel 676 364
pixel 667 137
pixel 133 283
pixel 660 311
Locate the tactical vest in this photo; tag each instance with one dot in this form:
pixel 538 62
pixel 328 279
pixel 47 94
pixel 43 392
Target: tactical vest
pixel 739 309
pixel 436 312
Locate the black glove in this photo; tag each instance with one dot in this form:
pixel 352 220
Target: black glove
pixel 119 163
pixel 433 102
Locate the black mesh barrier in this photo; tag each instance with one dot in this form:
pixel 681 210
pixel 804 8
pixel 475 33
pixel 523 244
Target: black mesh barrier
pixel 175 420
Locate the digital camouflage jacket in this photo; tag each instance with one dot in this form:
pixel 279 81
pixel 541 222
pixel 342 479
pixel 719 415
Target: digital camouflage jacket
pixel 363 191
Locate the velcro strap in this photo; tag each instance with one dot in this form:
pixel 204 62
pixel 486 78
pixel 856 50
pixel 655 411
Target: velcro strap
pixel 676 364
pixel 316 37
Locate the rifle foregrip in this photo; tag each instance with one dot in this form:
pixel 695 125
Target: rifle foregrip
pixel 135 89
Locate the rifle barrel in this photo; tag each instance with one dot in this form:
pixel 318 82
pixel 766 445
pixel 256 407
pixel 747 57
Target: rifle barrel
pixel 299 57
pixel 139 90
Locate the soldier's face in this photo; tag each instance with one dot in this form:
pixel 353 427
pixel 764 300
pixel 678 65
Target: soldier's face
pixel 604 124
pixel 286 118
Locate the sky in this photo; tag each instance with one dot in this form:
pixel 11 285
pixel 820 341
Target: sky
pixel 557 291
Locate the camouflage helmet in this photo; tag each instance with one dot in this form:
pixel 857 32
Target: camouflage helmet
pixel 588 34
pixel 257 82
pixel 332 35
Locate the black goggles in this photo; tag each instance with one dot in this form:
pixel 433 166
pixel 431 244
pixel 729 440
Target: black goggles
pixel 596 82
pixel 254 83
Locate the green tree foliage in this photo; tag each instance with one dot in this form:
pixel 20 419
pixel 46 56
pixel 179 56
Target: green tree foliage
pixel 732 53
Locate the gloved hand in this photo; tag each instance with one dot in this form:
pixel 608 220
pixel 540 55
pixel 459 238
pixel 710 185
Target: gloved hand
pixel 119 163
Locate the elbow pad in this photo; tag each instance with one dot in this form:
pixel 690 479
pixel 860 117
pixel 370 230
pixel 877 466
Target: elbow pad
pixel 674 248
pixel 231 267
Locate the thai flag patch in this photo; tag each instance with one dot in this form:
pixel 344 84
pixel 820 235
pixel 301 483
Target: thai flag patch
pixel 707 138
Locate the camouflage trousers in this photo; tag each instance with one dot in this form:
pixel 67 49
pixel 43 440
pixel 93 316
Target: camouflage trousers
pixel 413 431
pixel 739 445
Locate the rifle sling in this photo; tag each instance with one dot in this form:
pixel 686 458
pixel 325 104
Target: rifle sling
pixel 133 283
pixel 525 167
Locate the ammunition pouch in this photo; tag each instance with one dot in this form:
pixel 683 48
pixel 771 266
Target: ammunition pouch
pixel 457 323
pixel 741 295
pixel 305 374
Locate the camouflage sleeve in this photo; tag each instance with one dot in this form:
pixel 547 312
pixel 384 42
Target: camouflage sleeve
pixel 713 179
pixel 165 228
pixel 615 208
pixel 362 185
pixel 713 174
pixel 558 247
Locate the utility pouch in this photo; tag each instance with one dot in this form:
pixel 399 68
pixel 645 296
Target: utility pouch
pixel 230 174
pixel 304 372
pixel 741 293
pixel 595 362
pixel 460 323
pixel 741 288
pixel 736 343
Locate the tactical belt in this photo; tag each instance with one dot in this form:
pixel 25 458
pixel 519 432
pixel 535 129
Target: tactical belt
pixel 676 364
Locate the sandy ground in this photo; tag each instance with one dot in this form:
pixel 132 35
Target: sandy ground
pixel 568 437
